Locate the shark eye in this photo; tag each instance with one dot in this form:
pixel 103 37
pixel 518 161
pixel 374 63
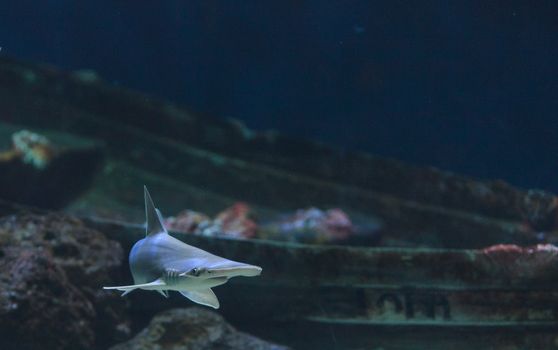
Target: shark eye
pixel 195 271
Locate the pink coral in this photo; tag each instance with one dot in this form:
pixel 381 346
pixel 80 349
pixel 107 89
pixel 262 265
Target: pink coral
pixel 187 221
pixel 521 262
pixel 330 225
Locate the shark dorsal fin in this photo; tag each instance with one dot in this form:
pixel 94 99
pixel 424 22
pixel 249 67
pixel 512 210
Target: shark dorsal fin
pixel 153 217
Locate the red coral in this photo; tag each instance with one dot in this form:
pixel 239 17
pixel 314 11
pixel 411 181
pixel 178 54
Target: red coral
pixel 234 221
pixel 337 222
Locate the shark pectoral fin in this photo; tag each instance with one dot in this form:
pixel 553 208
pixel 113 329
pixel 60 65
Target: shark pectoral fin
pixel 204 297
pixel 163 293
pixel 122 288
pixel 158 284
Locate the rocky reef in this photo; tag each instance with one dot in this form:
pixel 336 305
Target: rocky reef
pixel 193 328
pixel 52 268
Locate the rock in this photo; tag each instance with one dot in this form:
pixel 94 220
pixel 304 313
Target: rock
pixel 39 307
pixel 193 329
pixel 51 271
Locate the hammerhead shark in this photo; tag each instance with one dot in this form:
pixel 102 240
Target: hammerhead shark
pixel 162 263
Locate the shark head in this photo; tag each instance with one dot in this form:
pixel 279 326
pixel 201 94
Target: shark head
pixel 161 263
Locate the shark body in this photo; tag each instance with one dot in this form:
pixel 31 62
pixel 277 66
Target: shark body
pixel 162 263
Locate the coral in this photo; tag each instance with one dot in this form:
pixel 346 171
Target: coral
pixel 187 221
pixel 315 225
pixel 309 225
pixel 521 262
pixel 31 148
pixel 34 149
pixel 233 222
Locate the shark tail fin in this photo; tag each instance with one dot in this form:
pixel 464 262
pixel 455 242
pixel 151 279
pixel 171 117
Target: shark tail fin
pixel 154 219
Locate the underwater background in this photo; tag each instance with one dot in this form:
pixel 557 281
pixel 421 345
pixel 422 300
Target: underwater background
pixel 389 165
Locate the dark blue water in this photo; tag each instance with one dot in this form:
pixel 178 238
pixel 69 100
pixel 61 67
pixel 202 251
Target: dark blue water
pixel 466 86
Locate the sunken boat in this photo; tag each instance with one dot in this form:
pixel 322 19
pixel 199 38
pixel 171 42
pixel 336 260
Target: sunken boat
pixel 458 261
